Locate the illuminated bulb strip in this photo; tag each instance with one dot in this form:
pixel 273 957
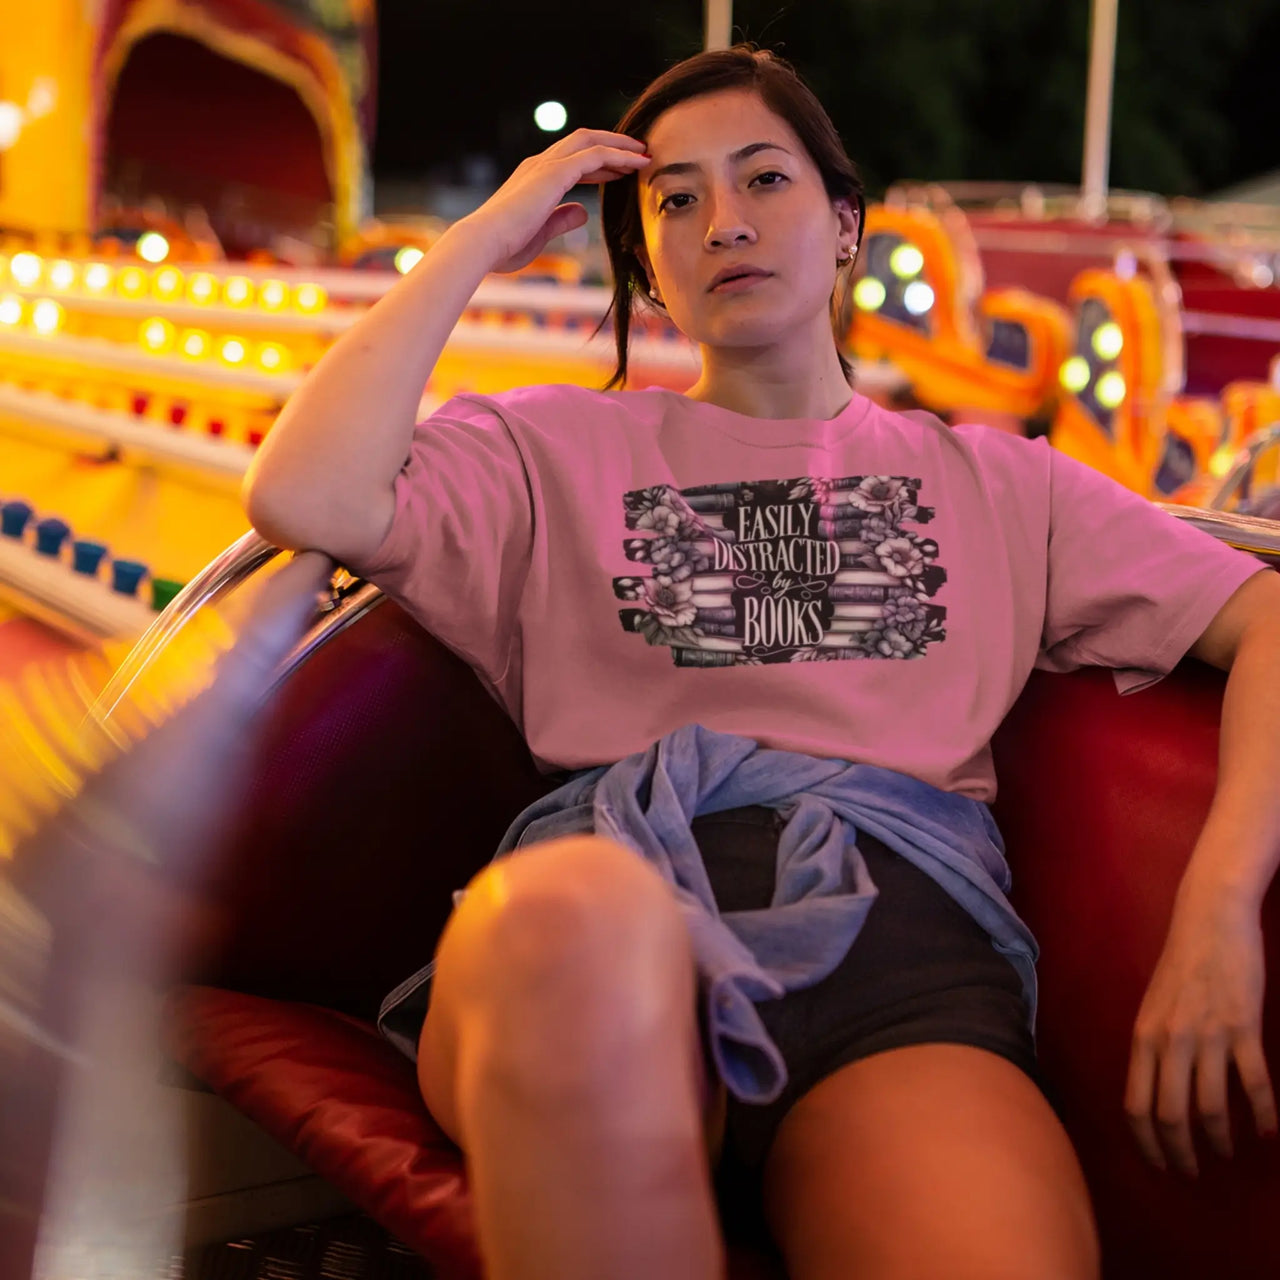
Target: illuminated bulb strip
pixel 869 293
pixel 1075 374
pixel 26 269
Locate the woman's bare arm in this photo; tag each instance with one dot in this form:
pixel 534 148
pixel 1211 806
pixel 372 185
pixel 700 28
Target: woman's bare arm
pixel 323 477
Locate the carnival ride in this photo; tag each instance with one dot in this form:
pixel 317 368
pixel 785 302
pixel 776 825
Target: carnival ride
pixel 169 270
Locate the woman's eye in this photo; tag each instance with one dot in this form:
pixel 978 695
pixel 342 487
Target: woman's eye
pixel 684 195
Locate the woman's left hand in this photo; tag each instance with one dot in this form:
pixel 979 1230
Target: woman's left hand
pixel 1202 1010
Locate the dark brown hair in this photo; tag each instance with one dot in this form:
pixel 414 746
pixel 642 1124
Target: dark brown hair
pixel 745 66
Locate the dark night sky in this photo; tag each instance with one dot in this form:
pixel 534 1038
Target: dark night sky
pixel 930 89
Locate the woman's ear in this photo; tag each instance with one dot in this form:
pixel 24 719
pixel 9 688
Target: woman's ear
pixel 849 216
pixel 642 256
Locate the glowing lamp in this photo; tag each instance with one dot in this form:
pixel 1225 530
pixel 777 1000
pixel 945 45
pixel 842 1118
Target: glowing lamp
pixel 233 351
pixel 271 357
pixel 62 275
pixel 1108 340
pixel 25 269
pixel 202 288
pixel 1220 462
pixel 237 291
pixel 917 297
pixel 156 335
pixel 10 310
pixel 131 282
pixel 869 294
pixel 550 117
pixel 310 298
pixel 408 258
pixel 167 283
pixel 47 317
pixel 1074 374
pixel 195 344
pixel 906 261
pixel 273 295
pixel 1110 390
pixel 153 247
pixel 97 277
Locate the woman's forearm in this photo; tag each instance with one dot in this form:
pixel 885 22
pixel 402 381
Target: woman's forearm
pixel 323 477
pixel 1238 850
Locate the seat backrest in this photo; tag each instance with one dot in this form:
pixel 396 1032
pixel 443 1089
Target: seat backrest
pixel 384 778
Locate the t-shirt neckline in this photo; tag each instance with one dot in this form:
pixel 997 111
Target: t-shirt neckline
pixel 774 432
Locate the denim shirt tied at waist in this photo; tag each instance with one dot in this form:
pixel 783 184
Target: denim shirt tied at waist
pixel 823 890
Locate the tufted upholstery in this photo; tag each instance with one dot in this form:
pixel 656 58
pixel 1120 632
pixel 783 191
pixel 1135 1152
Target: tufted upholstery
pixel 386 777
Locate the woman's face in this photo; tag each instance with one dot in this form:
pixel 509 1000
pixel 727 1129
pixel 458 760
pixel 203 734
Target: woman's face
pixel 733 202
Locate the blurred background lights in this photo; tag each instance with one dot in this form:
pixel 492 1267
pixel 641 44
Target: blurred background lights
pixel 1110 390
pixel 917 297
pixel 273 294
pixel 1108 340
pixel 309 298
pixel 42 98
pixel 237 291
pixel 408 258
pixel 10 124
pixel 167 283
pixel 47 317
pixel 201 287
pixel 271 357
pixel 157 335
pixel 1074 374
pixel 25 269
pixel 62 275
pixel 906 261
pixel 869 293
pixel 550 117
pixel 132 282
pixel 97 277
pixel 1220 461
pixel 233 351
pixel 195 343
pixel 153 247
pixel 11 310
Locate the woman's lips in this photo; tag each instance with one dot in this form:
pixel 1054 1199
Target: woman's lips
pixel 738 283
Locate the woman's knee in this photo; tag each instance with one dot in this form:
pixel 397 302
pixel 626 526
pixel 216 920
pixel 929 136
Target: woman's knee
pixel 578 938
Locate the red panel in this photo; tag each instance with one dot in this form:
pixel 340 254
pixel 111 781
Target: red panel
pixel 1101 800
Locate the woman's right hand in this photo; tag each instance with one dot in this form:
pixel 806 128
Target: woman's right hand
pixel 524 213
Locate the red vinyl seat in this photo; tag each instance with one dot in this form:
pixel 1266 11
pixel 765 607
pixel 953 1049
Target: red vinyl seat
pixel 386 777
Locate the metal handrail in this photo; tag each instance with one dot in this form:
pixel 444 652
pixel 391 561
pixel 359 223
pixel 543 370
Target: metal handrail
pixel 230 569
pixel 1243 463
pixel 1254 534
pixel 350 599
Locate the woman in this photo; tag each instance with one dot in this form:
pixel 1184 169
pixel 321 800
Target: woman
pixel 799 750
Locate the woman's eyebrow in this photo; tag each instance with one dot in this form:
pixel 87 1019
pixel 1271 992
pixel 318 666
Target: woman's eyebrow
pixel 689 166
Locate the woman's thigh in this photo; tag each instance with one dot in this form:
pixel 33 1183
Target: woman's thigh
pixel 927 1161
pixel 576 949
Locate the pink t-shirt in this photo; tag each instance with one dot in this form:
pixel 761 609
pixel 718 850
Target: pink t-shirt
pixel 873 588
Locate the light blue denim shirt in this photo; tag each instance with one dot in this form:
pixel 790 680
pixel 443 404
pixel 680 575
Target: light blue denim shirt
pixel 823 890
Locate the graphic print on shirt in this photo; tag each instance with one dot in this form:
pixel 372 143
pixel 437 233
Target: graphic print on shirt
pixel 804 570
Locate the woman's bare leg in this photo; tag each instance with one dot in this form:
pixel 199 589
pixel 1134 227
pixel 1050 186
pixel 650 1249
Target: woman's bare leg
pixel 929 1161
pixel 561 1053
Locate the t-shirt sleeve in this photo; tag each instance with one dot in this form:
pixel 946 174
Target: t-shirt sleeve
pixel 1129 586
pixel 457 553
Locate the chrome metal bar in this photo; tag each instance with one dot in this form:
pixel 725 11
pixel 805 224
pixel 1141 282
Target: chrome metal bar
pixel 1247 533
pixel 239 561
pixel 1242 464
pixel 350 608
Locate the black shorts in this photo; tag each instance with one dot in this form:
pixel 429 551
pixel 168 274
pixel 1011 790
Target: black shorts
pixel 921 971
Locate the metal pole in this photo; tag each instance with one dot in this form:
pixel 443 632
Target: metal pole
pixel 717 24
pixel 1097 115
